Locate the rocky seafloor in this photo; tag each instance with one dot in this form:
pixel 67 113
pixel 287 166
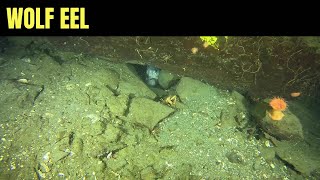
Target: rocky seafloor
pixel 90 118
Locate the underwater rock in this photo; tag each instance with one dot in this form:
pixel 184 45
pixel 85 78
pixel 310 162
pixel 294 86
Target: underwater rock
pixel 77 146
pixel 303 157
pixel 191 89
pixel 58 155
pixel 183 172
pixel 165 79
pixel 43 167
pixel 116 164
pixel 289 128
pixel 117 104
pixel 148 173
pixel 131 83
pixel 241 102
pixel 268 153
pixel 241 110
pixel 111 133
pixel 137 88
pixel 148 112
pixel 316 173
pixel 235 157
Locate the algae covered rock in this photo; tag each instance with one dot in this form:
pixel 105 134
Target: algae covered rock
pixel 138 88
pixel 289 128
pixel 148 112
pixel 191 89
pixel 165 79
pixel 303 157
pixel 117 104
pixel 131 84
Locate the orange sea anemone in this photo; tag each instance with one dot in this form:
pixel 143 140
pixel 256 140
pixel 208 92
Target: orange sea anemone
pixel 278 104
pixel 275 115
